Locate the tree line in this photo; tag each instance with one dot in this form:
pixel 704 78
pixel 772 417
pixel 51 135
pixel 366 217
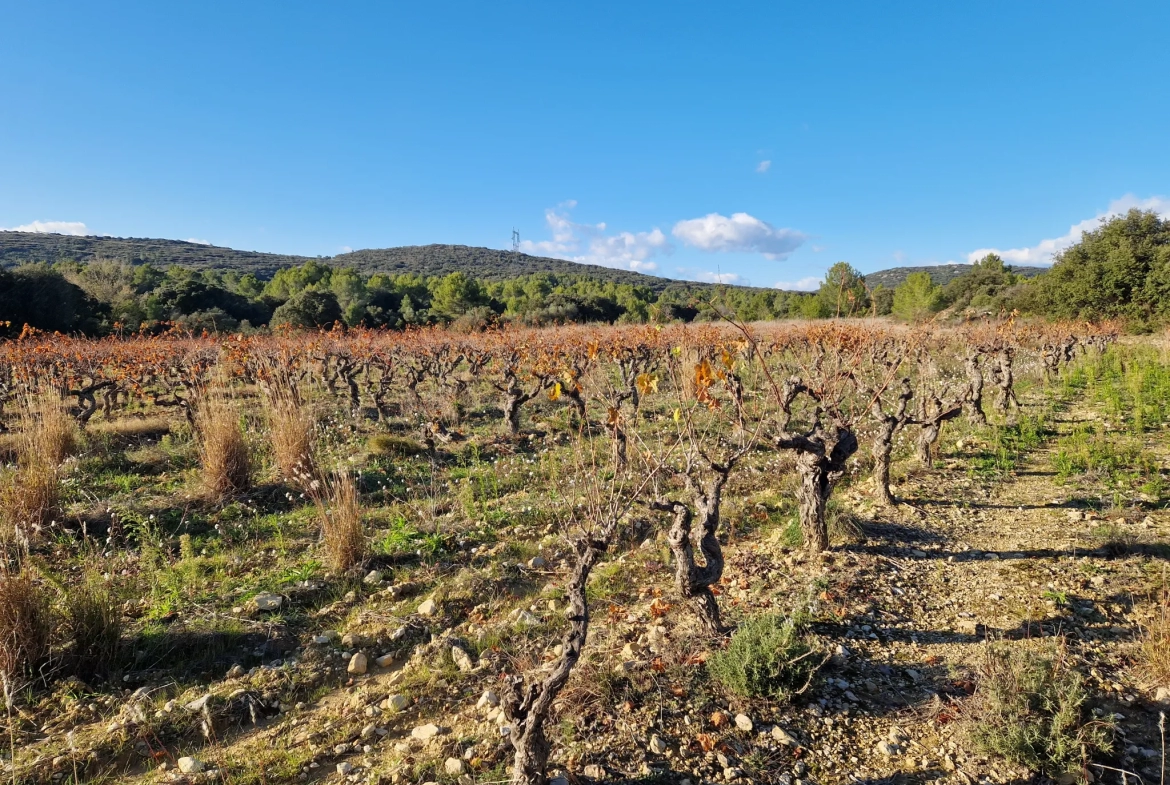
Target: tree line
pixel 1119 271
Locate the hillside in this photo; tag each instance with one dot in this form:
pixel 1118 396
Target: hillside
pixel 482 263
pixel 939 273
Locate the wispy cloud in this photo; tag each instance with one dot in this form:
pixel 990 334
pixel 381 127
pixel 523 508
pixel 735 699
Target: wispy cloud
pixel 763 166
pixel 740 232
pixel 712 276
pixel 809 284
pixel 76 228
pixel 197 241
pixel 589 243
pixel 1043 252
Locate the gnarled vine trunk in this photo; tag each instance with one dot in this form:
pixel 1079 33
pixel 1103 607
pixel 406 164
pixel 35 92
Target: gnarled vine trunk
pixel 883 441
pixel 974 397
pixel 820 462
pixel 692 580
pixel 527 706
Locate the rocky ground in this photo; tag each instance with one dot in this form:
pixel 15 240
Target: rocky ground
pixel 396 677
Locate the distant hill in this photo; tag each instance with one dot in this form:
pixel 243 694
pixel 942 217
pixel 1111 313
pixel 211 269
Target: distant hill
pixel 482 263
pixel 939 273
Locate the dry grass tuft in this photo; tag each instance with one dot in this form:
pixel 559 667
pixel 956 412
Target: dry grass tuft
pixel 93 619
pixel 132 428
pixel 290 429
pixel 25 626
pixel 223 449
pixel 30 497
pixel 340 512
pixel 1156 641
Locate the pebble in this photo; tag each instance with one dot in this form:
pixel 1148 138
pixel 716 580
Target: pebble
pixel 385 661
pixel 488 700
pixel 887 748
pixel 373 577
pixel 426 732
pixel 189 765
pixel 537 563
pixel 266 601
pixel 784 737
pixel 428 608
pixel 395 702
pixel 462 659
pixel 743 722
pixel 357 664
pixel 454 766
pixel 657 744
pixel 345 768
pixel 1162 695
pixel 198 703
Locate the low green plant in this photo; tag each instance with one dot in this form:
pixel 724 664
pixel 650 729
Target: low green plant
pixel 387 444
pixel 93 619
pixel 769 657
pixel 1032 709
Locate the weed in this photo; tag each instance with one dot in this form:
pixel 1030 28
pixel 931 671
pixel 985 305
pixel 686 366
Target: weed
pixel 223 450
pixel 340 513
pixel 389 445
pixel 25 626
pixel 1156 640
pixel 1031 709
pixel 290 429
pixel 94 623
pixel 768 657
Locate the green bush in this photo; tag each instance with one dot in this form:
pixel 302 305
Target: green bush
pixel 768 657
pixel 387 445
pixel 1031 709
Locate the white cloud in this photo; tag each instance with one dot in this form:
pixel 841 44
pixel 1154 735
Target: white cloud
pixel 198 241
pixel 740 232
pixel 52 227
pixel 346 249
pixel 809 284
pixel 763 166
pixel 589 244
pixel 712 276
pixel 1043 252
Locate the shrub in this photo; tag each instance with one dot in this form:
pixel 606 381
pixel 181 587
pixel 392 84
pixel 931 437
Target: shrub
pixel 389 445
pixel 1030 707
pixel 340 511
pixel 768 657
pixel 223 450
pixel 25 626
pixel 93 621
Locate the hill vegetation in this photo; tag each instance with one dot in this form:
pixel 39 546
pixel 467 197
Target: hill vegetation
pixel 1120 271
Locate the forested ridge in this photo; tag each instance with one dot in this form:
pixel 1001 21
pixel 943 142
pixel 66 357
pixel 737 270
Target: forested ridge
pixel 96 285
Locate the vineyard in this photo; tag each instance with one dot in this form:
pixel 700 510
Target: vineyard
pixel 826 552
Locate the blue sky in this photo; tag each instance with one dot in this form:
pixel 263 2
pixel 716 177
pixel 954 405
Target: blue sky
pixel 758 142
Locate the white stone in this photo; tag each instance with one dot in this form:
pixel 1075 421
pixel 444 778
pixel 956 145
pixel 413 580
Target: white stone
pixel 428 608
pixel 454 766
pixel 385 661
pixel 743 722
pixel 784 737
pixel 267 601
pixel 395 702
pixel 426 732
pixel 488 700
pixel 345 768
pixel 198 703
pixel 1162 695
pixel 357 664
pixel 537 563
pixel 373 577
pixel 657 744
pixel 887 748
pixel 462 659
pixel 322 640
pixel 189 765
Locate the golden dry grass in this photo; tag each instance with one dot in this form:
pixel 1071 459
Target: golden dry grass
pixel 25 626
pixel 223 450
pixel 132 427
pixel 1156 641
pixel 290 431
pixel 30 496
pixel 340 513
